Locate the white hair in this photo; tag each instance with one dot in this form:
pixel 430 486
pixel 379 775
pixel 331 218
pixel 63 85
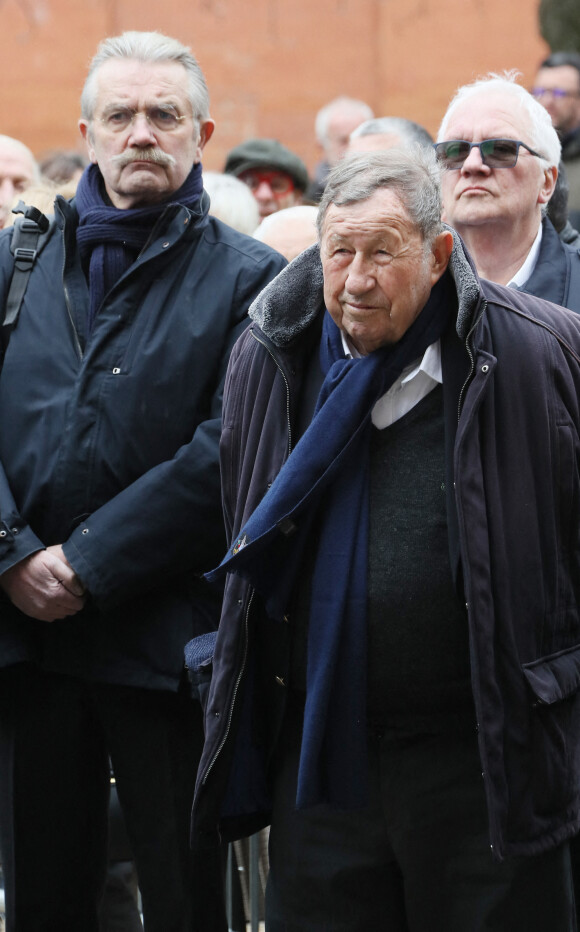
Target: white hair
pixel 348 104
pixel 543 137
pixel 232 201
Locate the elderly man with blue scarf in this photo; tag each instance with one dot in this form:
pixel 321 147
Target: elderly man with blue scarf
pixel 110 505
pixel 394 683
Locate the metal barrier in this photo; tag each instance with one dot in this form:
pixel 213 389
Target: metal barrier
pixel 247 868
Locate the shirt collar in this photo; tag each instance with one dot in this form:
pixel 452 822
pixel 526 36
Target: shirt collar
pixel 430 362
pixel 525 270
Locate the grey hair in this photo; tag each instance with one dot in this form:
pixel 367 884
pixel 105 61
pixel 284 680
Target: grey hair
pixel 412 174
pixel 325 114
pixel 147 47
pixel 543 136
pixel 407 131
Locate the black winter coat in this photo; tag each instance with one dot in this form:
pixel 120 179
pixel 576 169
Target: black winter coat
pixel 515 481
pixel 109 445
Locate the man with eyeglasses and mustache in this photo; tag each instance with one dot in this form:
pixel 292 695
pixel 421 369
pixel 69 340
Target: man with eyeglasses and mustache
pixel 499 153
pixel 557 87
pixel 110 395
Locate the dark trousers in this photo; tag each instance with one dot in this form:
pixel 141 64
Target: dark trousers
pixel 417 859
pixel 56 736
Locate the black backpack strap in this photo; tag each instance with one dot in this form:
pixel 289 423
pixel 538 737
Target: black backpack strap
pixel 30 231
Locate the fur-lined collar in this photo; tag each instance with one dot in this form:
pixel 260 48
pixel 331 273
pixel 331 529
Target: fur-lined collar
pixel 295 297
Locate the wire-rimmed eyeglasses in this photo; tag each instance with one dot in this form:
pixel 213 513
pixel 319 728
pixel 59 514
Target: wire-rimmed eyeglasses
pixel 165 118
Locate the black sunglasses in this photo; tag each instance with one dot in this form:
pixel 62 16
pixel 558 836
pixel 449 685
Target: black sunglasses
pixel 495 153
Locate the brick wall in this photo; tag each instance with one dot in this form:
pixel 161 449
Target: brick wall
pixel 270 64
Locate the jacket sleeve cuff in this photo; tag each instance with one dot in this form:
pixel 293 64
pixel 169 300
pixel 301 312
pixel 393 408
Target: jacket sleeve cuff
pixel 77 556
pixel 17 541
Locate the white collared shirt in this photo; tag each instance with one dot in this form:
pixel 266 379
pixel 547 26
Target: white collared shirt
pixel 413 384
pixel 524 272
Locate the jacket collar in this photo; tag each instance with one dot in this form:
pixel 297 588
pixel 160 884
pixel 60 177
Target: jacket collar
pixel 197 216
pixel 295 298
pixel 549 279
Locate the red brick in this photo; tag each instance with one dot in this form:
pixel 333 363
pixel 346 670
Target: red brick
pixel 270 64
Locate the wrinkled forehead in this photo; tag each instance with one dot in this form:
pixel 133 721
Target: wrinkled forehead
pixel 128 80
pixel 381 216
pixel 487 115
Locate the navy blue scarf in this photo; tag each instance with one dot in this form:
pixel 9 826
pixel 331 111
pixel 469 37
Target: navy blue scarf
pixel 109 239
pixel 325 480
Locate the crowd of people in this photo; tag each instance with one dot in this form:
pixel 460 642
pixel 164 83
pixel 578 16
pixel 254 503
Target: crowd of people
pixel 290 511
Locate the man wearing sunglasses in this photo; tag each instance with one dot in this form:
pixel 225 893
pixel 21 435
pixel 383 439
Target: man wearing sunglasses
pixel 499 155
pixel 557 87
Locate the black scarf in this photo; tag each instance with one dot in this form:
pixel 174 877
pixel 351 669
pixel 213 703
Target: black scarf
pixel 109 239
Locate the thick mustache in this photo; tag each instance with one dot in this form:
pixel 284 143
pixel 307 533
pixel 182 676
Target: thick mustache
pixel 158 156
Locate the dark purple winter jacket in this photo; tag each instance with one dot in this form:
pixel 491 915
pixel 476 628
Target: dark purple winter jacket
pixel 516 482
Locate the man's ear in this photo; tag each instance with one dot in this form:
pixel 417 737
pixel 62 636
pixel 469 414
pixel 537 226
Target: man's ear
pixel 205 133
pixel 86 134
pixel 441 250
pixel 547 189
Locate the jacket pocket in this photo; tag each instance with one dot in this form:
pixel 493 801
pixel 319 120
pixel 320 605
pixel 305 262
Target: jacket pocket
pixel 555 729
pixel 555 677
pixel 199 664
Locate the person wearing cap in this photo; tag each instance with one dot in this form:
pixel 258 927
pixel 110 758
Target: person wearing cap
pixel 276 176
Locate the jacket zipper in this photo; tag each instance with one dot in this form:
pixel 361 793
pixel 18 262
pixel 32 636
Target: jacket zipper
pixel 235 693
pixel 493 828
pixel 283 374
pixel 471 360
pixel 67 296
pixel 67 300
